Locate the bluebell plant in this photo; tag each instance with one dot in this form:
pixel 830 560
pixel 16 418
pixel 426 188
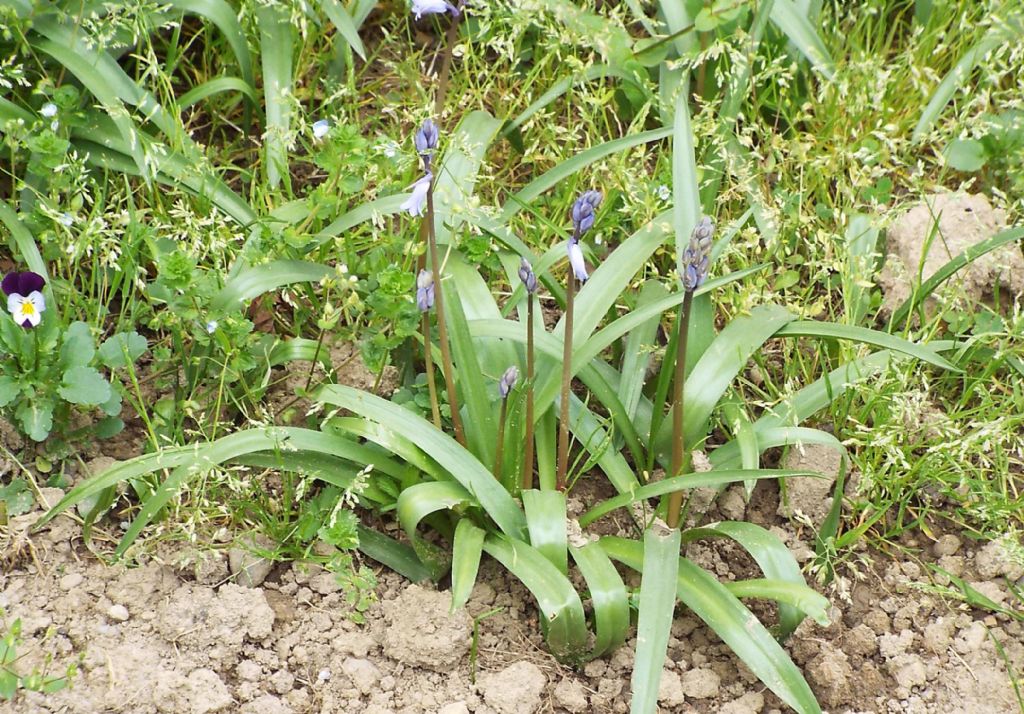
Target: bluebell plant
pixel 696 263
pixel 426 141
pixel 529 280
pixel 583 213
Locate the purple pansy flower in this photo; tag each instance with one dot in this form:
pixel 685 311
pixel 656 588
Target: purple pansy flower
pixel 25 299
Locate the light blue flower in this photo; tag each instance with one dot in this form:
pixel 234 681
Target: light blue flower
pixel 49 110
pixel 211 326
pixel 429 7
pixel 417 201
pixel 66 219
pixel 320 128
pixel 664 192
pixel 579 267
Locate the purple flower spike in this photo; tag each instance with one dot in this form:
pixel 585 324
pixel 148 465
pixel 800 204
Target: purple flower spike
pixel 697 256
pixel 22 283
pixel 508 381
pixel 584 211
pixel 426 139
pixel 425 290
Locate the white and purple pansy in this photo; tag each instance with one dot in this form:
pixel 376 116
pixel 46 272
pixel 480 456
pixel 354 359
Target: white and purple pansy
pixel 25 299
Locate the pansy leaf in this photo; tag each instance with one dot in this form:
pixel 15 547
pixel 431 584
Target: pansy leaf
pixel 84 385
pixel 112 407
pixel 78 348
pixel 122 349
pixel 9 389
pixel 36 419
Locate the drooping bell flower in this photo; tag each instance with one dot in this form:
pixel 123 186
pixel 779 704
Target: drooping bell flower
pixel 432 7
pixel 418 200
pixel 25 299
pixel 697 255
pixel 425 290
pixel 579 266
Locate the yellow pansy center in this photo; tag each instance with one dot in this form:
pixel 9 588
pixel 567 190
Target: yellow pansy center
pixel 27 308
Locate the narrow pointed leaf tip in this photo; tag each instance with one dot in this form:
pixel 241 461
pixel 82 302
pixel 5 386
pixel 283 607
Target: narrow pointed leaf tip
pixel 697 256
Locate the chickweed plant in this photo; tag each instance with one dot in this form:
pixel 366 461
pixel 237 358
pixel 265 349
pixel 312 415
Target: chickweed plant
pixel 562 307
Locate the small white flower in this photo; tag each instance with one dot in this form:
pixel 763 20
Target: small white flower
pixel 418 199
pixel 390 150
pixel 49 110
pixel 27 310
pixel 211 327
pixel 320 128
pixel 54 125
pixel 579 267
pixel 66 219
pixel 664 192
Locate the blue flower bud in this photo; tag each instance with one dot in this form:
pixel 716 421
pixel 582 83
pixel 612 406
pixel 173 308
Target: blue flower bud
pixel 584 211
pixel 426 139
pixel 527 275
pixel 508 381
pixel 425 290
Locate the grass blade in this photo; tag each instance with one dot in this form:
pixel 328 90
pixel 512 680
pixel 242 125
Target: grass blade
pixel 795 25
pixel 346 26
pixel 416 503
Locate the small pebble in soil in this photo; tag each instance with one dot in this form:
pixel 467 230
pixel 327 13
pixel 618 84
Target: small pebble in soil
pixel 118 613
pixel 71 581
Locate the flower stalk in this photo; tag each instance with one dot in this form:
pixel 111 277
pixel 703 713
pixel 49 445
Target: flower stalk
pixel 425 301
pixel 696 260
pixel 584 213
pixel 529 279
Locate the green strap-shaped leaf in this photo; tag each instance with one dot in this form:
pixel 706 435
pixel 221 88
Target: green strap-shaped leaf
pixel 738 627
pixel 770 554
pixel 795 25
pixel 277 38
pixel 397 556
pixel 682 483
pixel 217 85
pixel 456 177
pixel 221 14
pixel 814 328
pixel 467 548
pixel 608 597
pixel 545 519
pixel 654 623
pixel 460 463
pixel 346 26
pixel 251 282
pixel 794 596
pixel 561 610
pixel 416 503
